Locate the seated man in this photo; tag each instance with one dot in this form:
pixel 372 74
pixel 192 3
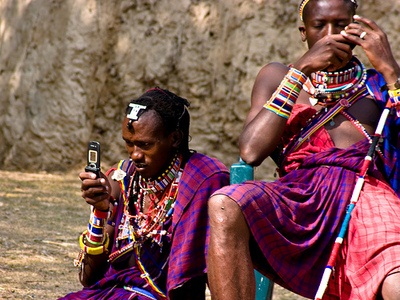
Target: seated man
pixel 317 119
pixel 147 233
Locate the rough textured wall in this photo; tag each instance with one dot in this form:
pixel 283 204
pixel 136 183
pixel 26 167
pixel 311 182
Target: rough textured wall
pixel 68 69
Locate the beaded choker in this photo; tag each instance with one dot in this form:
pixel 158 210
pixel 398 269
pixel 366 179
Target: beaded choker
pixel 327 88
pixel 158 185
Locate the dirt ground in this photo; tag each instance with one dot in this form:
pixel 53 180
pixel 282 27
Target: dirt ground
pixel 41 216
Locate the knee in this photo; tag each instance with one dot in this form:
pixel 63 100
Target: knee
pixel 391 287
pixel 225 215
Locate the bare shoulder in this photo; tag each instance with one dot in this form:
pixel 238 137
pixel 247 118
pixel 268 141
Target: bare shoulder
pixel 266 82
pixel 273 71
pixel 269 78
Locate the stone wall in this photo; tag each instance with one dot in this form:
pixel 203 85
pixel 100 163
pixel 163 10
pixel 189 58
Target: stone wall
pixel 68 69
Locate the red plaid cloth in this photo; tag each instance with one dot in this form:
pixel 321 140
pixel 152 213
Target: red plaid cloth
pixel 372 248
pixel 295 220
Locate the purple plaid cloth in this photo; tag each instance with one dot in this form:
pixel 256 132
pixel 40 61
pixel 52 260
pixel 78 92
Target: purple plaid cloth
pixel 201 177
pixel 295 219
pixel 391 132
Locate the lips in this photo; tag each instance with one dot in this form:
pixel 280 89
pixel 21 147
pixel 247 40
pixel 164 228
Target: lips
pixel 140 166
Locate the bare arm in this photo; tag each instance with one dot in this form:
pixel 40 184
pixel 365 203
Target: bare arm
pixel 263 129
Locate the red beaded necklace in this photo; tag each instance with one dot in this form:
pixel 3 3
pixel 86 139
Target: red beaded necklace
pixel 327 88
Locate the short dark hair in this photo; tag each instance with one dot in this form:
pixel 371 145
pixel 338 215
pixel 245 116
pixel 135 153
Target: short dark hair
pixel 304 11
pixel 172 109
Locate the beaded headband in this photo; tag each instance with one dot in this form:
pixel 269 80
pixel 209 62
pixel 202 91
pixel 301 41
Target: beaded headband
pixel 305 2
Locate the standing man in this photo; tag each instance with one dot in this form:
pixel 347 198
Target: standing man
pixel 315 119
pixel 146 237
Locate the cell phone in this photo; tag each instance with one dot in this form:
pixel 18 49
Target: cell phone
pixel 93 158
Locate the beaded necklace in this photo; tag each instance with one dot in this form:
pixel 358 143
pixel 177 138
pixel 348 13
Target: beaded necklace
pixel 337 101
pixel 138 226
pixel 326 88
pixel 158 185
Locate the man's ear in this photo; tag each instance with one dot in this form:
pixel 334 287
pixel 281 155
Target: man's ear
pixel 303 34
pixel 176 136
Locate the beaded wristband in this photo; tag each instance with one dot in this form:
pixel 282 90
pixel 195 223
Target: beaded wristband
pixel 101 214
pixel 283 99
pixel 93 250
pixel 95 231
pixel 394 96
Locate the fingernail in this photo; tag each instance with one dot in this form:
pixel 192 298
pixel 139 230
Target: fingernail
pixel 356 16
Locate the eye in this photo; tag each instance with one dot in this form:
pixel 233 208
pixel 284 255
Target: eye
pixel 144 145
pixel 342 25
pixel 129 143
pixel 318 25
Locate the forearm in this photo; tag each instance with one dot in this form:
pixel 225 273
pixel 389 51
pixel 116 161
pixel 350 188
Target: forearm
pixel 93 268
pixel 260 137
pixel 95 244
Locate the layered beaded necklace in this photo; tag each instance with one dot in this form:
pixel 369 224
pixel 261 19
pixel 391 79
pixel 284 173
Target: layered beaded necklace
pixel 137 226
pixel 326 88
pixel 335 91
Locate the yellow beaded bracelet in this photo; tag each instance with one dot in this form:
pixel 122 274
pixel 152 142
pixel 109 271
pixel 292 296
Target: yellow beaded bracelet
pixel 394 93
pixel 93 250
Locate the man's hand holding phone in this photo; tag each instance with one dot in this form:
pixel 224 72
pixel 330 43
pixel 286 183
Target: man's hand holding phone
pixel 95 187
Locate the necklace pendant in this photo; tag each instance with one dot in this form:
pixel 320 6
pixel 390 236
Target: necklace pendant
pixel 332 122
pixel 313 101
pixel 118 175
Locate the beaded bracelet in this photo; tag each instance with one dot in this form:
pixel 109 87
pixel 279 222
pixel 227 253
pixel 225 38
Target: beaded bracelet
pixel 93 250
pixel 283 99
pixel 394 96
pixel 95 231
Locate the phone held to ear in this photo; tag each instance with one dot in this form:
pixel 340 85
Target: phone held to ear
pixel 93 158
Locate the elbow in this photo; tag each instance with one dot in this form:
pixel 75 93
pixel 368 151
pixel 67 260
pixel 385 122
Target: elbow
pixel 249 156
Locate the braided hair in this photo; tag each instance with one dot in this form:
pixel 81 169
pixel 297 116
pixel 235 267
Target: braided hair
pixel 173 111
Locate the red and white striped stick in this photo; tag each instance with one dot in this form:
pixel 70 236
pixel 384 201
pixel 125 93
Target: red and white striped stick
pixel 354 198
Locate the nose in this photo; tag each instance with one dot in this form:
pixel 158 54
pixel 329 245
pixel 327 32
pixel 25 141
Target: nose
pixel 136 154
pixel 332 29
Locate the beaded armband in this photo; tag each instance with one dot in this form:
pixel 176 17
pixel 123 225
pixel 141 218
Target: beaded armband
pixel 283 99
pixel 394 97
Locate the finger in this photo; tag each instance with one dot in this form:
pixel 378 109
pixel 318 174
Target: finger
pixel 87 175
pixel 94 184
pixel 369 23
pixel 342 56
pixel 95 194
pixel 354 36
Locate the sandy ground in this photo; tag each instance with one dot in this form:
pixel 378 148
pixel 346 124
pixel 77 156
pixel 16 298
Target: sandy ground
pixel 41 216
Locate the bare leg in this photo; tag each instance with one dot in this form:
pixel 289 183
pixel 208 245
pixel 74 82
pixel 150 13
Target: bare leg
pixel 230 270
pixel 391 287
